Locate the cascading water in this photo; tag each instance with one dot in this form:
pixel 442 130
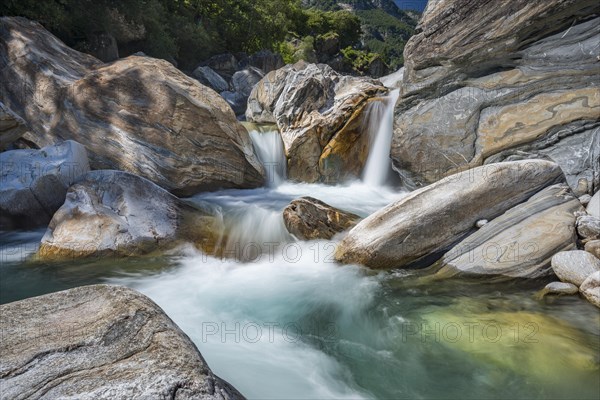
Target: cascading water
pixel 270 151
pixel 380 126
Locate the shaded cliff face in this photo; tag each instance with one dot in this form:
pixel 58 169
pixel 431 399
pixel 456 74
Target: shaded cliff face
pixel 489 81
pixel 137 114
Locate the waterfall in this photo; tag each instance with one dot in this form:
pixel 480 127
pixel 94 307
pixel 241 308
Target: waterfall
pixel 270 151
pixel 380 127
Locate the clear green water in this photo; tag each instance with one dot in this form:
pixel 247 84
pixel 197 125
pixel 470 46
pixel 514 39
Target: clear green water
pixel 296 325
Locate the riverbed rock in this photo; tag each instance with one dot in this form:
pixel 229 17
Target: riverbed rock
pixel 521 242
pixel 590 288
pixel 559 288
pixel 593 207
pixel 309 219
pixel 588 227
pixel 210 78
pixel 488 84
pixel 100 342
pixel 311 104
pixel 137 114
pixel 420 227
pixel 35 182
pixel 593 246
pixel 574 266
pixel 116 213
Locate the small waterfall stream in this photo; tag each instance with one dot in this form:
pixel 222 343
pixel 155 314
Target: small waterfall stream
pixel 270 151
pixel 379 124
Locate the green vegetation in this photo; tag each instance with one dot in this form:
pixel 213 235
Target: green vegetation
pixel 190 31
pixel 187 31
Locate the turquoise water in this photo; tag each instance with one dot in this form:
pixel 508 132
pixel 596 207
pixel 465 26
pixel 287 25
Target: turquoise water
pixel 286 322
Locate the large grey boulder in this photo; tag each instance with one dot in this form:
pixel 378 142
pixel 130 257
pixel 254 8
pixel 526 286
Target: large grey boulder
pixel 429 220
pixel 487 84
pixel 35 182
pixel 117 213
pixel 100 342
pixel 318 113
pixel 521 242
pixel 137 114
pixel 309 219
pixel 590 288
pixel 574 266
pixel 210 78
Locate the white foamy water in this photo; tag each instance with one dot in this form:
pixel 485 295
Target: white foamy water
pixel 253 322
pixel 380 127
pixel 270 151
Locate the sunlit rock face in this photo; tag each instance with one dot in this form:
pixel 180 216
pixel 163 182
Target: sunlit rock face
pixel 137 114
pixel 318 112
pixel 488 82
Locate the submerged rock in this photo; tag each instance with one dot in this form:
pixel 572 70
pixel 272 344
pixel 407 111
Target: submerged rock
pixel 35 182
pixel 100 342
pixel 308 218
pixel 137 114
pixel 559 288
pixel 117 213
pixel 590 288
pixel 312 104
pixel 428 221
pixel 482 87
pixel 574 266
pixel 519 243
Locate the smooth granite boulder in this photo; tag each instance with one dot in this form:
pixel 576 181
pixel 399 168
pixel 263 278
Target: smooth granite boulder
pixel 575 266
pixel 428 221
pixel 100 342
pixel 116 213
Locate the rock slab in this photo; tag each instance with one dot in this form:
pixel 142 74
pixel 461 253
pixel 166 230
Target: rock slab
pixel 100 342
pixel 430 220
